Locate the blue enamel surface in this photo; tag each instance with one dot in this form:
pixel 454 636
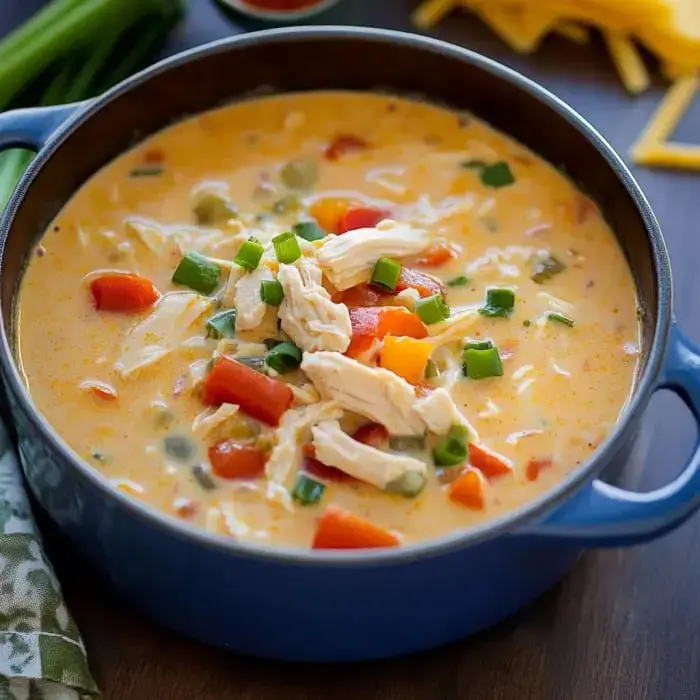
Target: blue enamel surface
pixel 31 127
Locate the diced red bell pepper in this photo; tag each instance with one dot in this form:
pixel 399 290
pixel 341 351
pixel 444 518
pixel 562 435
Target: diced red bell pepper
pixel 370 323
pixel 363 295
pixel 361 217
pixel 258 395
pixel 123 292
pixel 232 460
pixel 372 434
pixel 344 143
pixel 423 283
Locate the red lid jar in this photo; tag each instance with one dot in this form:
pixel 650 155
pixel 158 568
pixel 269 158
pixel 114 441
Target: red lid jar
pixel 280 10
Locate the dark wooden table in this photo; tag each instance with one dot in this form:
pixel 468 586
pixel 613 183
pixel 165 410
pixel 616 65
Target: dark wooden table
pixel 624 625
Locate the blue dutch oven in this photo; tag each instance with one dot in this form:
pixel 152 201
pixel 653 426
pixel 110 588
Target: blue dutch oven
pixel 339 606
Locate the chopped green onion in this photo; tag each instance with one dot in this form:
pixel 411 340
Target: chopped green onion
pixel 479 344
pixel 197 272
pixel 432 309
pixel 271 292
pixel 561 318
pixel 409 484
pixel 480 363
pixel 309 231
pixel 545 266
pixel 431 370
pixel 179 447
pixel 284 357
pixel 250 254
pixel 495 175
pixel 460 281
pixel 407 443
pixel 203 477
pixel 307 490
pixel 386 273
pixel 287 248
pixel 222 324
pixel 147 172
pixel 500 301
pixel 212 209
pixel 300 174
pixel 256 363
pixel 454 449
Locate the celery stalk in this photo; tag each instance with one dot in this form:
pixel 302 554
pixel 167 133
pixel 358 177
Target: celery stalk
pixel 78 26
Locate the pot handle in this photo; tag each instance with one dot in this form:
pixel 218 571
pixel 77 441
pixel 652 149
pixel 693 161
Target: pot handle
pixel 32 127
pixel 604 515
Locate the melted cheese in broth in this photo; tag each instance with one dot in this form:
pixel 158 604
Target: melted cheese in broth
pixel 124 389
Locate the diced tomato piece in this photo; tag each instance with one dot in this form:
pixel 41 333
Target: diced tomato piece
pixel 468 490
pixel 259 396
pixel 437 255
pixel 344 143
pixel 488 463
pixel 232 460
pixel 124 292
pixel 372 434
pixel 423 283
pixel 361 217
pixel 363 295
pixel 370 323
pixel 340 529
pixel 535 466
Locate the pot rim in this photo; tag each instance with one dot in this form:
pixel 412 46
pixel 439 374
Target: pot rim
pixel 458 539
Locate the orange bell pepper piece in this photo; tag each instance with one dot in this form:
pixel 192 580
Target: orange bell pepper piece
pixel 124 292
pixel 488 463
pixel 468 489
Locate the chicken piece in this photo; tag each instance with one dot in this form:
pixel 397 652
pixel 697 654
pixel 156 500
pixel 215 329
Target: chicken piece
pixel 386 471
pixel 453 329
pixel 373 392
pixel 348 260
pixel 164 330
pixel 228 298
pixel 250 308
pixel 209 420
pixel 147 233
pixel 307 313
pixel 440 413
pixel 286 457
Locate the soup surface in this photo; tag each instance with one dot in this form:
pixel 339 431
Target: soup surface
pixel 467 337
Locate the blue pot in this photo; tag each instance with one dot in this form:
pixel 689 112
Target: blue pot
pixel 332 606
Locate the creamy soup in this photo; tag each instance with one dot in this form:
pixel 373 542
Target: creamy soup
pixel 330 319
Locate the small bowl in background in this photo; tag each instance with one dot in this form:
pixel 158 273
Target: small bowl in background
pixel 266 10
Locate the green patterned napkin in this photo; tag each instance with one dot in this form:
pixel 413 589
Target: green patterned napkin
pixel 41 654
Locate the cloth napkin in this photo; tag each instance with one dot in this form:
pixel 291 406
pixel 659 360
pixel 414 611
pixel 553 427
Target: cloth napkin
pixel 42 656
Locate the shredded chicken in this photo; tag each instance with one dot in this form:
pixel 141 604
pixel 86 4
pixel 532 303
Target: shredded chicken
pixel 453 329
pixel 286 457
pixel 440 413
pixel 250 308
pixel 210 419
pixel 228 298
pixel 370 391
pixel 307 313
pixel 349 259
pixel 161 332
pixel 148 233
pixel 381 469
